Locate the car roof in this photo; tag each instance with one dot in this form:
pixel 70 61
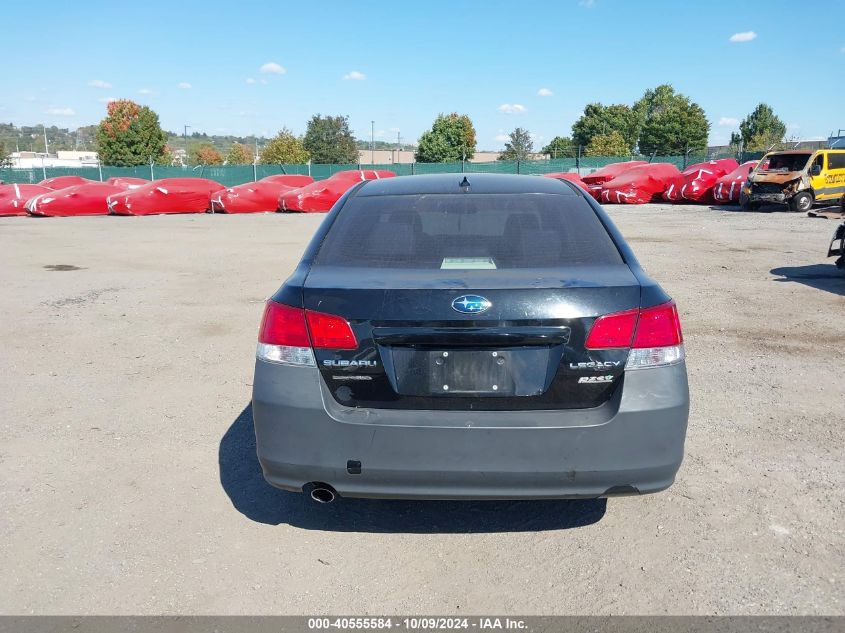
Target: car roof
pixel 454 183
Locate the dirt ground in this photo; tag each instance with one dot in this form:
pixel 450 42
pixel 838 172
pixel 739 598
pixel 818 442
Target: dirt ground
pixel 129 483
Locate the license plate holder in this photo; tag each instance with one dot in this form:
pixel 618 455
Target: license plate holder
pixel 462 372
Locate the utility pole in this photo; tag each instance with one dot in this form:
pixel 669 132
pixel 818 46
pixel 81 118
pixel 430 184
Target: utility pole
pixel 186 144
pixel 46 147
pixel 372 142
pixel 398 147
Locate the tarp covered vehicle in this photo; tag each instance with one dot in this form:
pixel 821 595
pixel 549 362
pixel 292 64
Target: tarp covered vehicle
pixel 60 182
pixel 571 177
pixel 727 188
pixel 13 198
pixel 696 182
pixel 127 182
pixel 639 185
pixel 88 199
pixel 168 195
pixel 257 197
pixel 611 171
pixel 320 196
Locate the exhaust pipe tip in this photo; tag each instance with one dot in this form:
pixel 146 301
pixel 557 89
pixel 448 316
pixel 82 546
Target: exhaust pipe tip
pixel 322 493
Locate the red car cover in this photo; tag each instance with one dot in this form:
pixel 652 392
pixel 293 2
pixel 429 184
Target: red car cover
pixel 728 186
pixel 14 197
pixel 570 176
pixel 697 181
pixel 89 199
pixel 609 172
pixel 321 195
pixel 127 182
pixel 289 180
pixel 60 182
pixel 256 197
pixel 640 184
pixel 168 195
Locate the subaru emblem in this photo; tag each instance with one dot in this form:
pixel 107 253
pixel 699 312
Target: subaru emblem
pixel 471 304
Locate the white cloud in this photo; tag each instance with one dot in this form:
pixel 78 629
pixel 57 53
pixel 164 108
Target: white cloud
pixel 544 92
pixel 511 108
pixel 107 99
pixel 728 120
pixel 842 50
pixel 145 91
pixel 272 68
pixel 744 36
pixel 99 83
pixel 250 81
pixel 587 4
pixel 502 138
pixel 354 76
pixel 184 85
pixel 264 82
pixel 60 111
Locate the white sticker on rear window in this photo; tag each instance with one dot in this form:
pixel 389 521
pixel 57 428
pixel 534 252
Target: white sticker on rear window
pixel 468 263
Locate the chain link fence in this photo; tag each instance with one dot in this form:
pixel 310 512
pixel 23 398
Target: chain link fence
pixel 231 175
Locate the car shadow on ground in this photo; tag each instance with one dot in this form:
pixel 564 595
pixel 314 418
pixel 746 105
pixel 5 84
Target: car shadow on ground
pixel 241 478
pixel 825 277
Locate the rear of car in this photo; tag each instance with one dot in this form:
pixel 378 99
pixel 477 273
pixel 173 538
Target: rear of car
pixel 490 338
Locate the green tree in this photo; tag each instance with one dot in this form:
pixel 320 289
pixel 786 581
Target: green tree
pixel 450 139
pixel 612 144
pixel 669 123
pixel 129 135
pixel 761 129
pixel 284 149
pixel 600 119
pixel 239 154
pixel 4 157
pixel 653 101
pixel 206 154
pixel 519 147
pixel 166 158
pixel 559 147
pixel 328 139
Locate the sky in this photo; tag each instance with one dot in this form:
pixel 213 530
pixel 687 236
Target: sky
pixel 243 67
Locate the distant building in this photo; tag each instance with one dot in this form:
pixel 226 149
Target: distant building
pixel 31 160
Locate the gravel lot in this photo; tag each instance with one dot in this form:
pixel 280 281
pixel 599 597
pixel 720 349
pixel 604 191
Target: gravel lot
pixel 129 484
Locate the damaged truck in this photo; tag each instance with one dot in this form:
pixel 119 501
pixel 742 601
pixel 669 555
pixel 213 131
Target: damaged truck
pixel 798 178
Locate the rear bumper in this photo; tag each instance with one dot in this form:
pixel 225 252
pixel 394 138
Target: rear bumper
pixel 634 446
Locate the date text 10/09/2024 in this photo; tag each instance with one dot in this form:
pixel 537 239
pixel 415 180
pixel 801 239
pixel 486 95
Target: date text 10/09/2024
pixel 422 623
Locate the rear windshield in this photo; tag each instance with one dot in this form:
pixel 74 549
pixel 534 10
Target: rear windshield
pixel 467 232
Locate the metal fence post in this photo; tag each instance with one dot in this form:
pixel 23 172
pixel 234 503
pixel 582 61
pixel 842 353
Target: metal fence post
pixel 517 165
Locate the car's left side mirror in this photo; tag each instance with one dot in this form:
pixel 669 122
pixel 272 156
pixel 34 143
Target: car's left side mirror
pixel 815 170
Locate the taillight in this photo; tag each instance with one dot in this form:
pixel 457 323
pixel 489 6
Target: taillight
pixel 283 325
pixel 287 334
pixel 653 334
pixel 329 331
pixel 613 330
pixel 659 327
